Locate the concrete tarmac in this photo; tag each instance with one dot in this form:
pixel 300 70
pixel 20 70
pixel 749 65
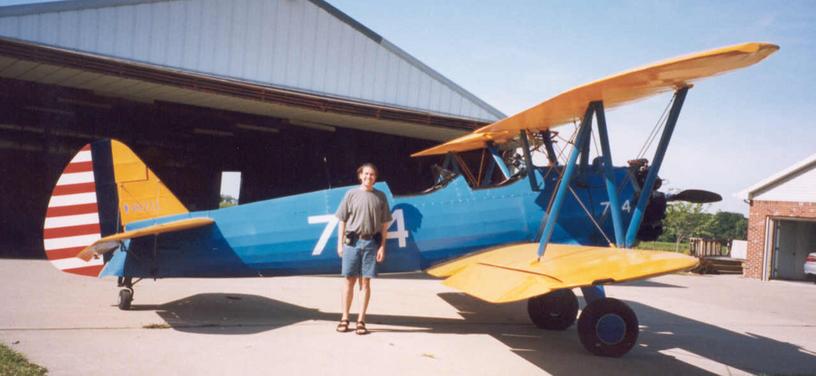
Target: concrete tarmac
pixel 690 325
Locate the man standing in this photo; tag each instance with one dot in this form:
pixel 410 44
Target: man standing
pixel 364 216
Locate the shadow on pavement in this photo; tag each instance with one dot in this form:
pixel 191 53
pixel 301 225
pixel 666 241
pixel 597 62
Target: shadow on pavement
pixel 561 352
pixel 231 313
pixel 554 352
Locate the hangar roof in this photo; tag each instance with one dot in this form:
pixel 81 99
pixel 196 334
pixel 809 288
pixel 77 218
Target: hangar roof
pixel 794 183
pixel 304 49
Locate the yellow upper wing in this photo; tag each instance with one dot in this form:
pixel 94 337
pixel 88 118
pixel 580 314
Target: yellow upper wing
pixel 511 273
pixel 614 91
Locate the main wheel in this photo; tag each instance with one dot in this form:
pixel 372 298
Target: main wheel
pixel 608 327
pixel 125 297
pixel 554 311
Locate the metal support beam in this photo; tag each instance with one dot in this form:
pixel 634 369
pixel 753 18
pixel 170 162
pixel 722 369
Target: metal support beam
pixel 646 189
pixel 563 186
pixel 548 144
pixel 528 160
pixel 464 169
pixel 487 180
pixel 593 293
pixel 451 164
pixel 609 175
pixel 585 149
pixel 499 161
pixel 446 164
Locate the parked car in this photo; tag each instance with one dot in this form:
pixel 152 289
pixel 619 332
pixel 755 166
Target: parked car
pixel 810 266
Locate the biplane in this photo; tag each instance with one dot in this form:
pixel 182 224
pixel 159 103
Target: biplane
pixel 534 234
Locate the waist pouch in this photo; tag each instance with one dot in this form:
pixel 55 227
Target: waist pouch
pixel 351 238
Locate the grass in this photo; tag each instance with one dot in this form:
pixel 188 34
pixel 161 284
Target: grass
pixel 12 363
pixel 663 246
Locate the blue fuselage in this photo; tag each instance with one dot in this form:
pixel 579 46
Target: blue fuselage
pixel 298 234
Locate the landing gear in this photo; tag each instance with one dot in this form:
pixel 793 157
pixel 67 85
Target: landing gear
pixel 554 311
pixel 608 327
pixel 125 298
pixel 125 294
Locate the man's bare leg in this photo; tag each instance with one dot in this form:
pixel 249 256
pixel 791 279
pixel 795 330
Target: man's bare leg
pixel 348 296
pixel 366 287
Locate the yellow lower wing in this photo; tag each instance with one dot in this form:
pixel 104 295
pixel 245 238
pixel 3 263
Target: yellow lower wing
pixel 512 273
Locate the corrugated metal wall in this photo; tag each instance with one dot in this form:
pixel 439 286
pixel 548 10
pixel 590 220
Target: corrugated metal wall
pixel 296 44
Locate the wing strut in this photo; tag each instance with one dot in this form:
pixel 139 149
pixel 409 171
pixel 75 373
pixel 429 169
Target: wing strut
pixel 547 137
pixel 609 176
pixel 646 190
pixel 596 109
pixel 499 161
pixel 566 178
pixel 528 160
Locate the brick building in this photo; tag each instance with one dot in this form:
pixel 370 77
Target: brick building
pixel 782 222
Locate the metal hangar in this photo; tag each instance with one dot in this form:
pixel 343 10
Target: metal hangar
pixel 292 93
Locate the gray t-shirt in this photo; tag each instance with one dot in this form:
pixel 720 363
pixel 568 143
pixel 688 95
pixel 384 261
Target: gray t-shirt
pixel 365 212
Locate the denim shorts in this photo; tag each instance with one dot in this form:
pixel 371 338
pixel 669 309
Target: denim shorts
pixel 360 260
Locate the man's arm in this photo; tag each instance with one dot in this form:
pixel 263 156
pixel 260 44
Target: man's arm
pixel 342 216
pixel 341 234
pixel 384 238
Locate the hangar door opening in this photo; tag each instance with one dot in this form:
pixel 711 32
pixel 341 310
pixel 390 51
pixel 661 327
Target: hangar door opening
pixel 794 240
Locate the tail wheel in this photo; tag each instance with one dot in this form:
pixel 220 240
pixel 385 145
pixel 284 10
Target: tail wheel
pixel 608 327
pixel 125 298
pixel 554 311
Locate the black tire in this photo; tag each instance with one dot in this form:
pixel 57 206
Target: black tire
pixel 125 298
pixel 554 311
pixel 608 327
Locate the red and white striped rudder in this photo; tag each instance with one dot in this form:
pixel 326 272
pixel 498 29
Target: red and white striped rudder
pixel 72 220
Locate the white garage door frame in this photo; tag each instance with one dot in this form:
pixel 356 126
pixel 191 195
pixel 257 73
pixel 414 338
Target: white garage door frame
pixel 772 230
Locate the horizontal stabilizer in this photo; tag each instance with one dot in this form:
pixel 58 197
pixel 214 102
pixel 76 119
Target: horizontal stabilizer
pixel 104 245
pixel 513 273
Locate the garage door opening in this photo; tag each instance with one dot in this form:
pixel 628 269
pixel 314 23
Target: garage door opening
pixel 794 240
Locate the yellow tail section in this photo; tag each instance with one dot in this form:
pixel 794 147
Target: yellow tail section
pixel 142 195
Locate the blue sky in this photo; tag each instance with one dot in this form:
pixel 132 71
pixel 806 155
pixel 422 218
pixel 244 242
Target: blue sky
pixel 735 130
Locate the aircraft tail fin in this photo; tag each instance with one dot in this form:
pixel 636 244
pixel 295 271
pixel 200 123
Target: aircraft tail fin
pixel 104 187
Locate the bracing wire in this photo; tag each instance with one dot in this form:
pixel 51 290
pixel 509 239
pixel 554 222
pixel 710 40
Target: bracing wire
pixel 559 181
pixel 591 217
pixel 561 157
pixel 646 145
pixel 655 130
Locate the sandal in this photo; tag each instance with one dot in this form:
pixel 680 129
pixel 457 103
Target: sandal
pixel 343 326
pixel 361 328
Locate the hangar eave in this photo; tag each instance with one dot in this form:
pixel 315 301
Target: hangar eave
pixel 117 78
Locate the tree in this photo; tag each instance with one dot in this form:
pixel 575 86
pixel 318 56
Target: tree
pixel 227 200
pixel 729 226
pixel 684 220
